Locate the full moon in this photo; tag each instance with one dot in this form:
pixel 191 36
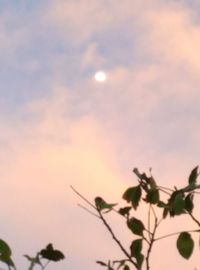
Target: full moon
pixel 100 76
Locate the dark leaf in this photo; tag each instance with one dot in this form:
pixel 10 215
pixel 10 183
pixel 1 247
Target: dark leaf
pixel 126 267
pixel 52 254
pixel 161 204
pixel 193 176
pixel 136 226
pixel 176 203
pixel 5 253
pixel 133 195
pixel 140 259
pixel 152 196
pixel 101 263
pixel 179 204
pixel 165 212
pixel 189 202
pixel 102 205
pixel 136 247
pixel 185 245
pixel 124 211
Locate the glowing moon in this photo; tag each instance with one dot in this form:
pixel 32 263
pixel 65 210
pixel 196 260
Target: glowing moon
pixel 100 76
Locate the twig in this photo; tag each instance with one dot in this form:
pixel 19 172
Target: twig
pixel 87 210
pixel 151 241
pixel 115 238
pixel 172 234
pixel 83 198
pixel 195 220
pixel 45 265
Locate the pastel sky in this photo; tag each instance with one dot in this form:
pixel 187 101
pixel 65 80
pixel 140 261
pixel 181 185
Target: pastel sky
pixel 59 127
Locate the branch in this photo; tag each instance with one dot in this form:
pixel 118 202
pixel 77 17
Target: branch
pixel 151 241
pixel 115 238
pixel 83 198
pixel 195 220
pixel 175 233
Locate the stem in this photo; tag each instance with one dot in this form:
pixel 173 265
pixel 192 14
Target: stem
pixel 172 234
pixel 83 198
pixel 195 220
pixel 115 238
pixel 148 225
pixel 45 265
pixel 151 241
pixel 87 210
pixel 169 189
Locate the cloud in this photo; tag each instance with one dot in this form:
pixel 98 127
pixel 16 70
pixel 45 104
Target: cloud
pixel 173 36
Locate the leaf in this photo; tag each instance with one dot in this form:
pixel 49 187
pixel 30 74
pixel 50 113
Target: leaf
pixel 101 263
pixel 176 203
pixel 126 267
pixel 52 254
pixel 152 196
pixel 124 211
pixel 101 204
pixel 136 226
pixel 133 195
pixel 185 245
pixel 189 202
pixel 161 204
pixel 179 204
pixel 193 175
pixel 140 259
pixel 136 247
pixel 4 248
pixel 165 212
pixel 5 253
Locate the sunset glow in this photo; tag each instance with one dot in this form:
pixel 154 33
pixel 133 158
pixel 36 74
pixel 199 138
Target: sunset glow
pixel 58 129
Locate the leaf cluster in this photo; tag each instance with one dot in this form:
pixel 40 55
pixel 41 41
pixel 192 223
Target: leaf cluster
pixel 176 202
pixel 49 254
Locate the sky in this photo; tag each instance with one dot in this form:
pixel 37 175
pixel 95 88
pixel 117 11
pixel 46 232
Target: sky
pixel 60 127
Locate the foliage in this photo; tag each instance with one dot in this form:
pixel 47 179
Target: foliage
pixel 42 258
pixel 162 203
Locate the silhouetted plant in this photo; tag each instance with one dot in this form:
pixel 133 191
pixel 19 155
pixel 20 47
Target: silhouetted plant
pixel 42 258
pixel 175 202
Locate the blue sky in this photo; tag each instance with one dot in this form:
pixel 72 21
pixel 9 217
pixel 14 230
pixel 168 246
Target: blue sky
pixel 60 127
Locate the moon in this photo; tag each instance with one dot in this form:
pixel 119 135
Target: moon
pixel 100 76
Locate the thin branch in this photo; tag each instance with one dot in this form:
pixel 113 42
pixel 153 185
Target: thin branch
pixel 169 189
pixel 115 238
pixel 148 222
pixel 45 265
pixel 83 198
pixel 195 220
pixel 175 233
pixel 151 243
pixel 87 210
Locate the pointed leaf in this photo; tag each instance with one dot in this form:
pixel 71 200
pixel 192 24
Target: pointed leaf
pixel 136 226
pixel 193 175
pixel 124 211
pixel 5 253
pixel 136 247
pixel 101 263
pixel 152 196
pixel 4 248
pixel 140 259
pixel 179 204
pixel 133 195
pixel 101 204
pixel 189 202
pixel 185 245
pixel 165 212
pixel 126 267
